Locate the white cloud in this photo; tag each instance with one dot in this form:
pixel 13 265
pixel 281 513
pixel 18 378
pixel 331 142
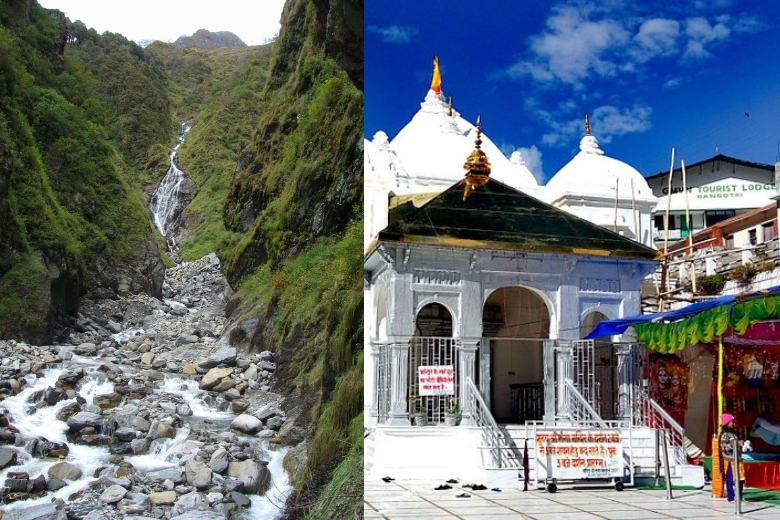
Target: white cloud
pixel 656 37
pixel 700 34
pixel 394 33
pixel 533 161
pixel 606 122
pixel 572 48
pixel 532 157
pixel 673 83
pixel 582 42
pixel 609 121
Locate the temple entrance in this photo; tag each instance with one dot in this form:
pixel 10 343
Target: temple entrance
pixel 515 322
pixel 433 364
pixel 605 367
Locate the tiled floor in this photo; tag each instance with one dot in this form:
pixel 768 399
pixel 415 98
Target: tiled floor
pixel 401 500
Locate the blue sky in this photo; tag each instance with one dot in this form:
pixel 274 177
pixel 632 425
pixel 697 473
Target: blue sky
pixel 702 76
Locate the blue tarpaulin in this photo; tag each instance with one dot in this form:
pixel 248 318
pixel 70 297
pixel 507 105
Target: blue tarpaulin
pixel 619 326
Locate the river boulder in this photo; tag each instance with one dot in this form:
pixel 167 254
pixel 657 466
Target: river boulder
pixel 213 377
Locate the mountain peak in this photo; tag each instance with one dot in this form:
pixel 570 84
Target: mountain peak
pixel 207 40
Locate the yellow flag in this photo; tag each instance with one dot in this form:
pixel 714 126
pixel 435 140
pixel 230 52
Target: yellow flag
pixel 436 80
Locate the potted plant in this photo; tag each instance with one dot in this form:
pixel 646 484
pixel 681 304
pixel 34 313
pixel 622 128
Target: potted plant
pixel 419 414
pixel 452 413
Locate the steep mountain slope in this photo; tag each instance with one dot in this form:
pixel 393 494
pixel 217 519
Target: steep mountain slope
pixel 69 223
pixel 297 199
pixel 206 40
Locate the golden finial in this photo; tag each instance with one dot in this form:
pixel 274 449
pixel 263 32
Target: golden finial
pixel 587 124
pixel 477 165
pixel 449 110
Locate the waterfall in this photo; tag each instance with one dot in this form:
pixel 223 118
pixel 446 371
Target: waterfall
pixel 166 202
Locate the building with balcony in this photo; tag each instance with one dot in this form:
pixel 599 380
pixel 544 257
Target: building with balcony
pixel 716 189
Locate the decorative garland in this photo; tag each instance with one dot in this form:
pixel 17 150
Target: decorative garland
pixel 709 324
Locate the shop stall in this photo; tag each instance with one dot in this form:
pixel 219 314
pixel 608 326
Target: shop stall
pixel 715 356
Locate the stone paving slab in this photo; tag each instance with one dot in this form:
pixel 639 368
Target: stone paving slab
pixel 402 500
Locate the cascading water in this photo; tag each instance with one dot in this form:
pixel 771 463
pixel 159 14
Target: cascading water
pixel 40 422
pixel 166 202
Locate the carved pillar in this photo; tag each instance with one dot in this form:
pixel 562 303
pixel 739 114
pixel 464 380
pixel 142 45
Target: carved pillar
pixel 625 376
pixel 484 369
pixel 399 368
pixel 372 417
pixel 468 369
pixel 548 356
pixel 563 370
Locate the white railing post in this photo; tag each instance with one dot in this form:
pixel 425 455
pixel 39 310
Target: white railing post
pixel 468 365
pixel 399 366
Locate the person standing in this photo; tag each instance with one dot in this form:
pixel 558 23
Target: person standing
pixel 728 434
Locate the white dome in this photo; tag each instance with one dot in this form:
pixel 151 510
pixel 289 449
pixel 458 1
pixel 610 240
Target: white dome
pixel 433 147
pixel 381 162
pixel 591 172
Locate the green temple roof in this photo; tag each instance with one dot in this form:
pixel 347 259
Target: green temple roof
pixel 496 216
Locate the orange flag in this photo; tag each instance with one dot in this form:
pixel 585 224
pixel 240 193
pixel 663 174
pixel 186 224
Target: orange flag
pixel 436 80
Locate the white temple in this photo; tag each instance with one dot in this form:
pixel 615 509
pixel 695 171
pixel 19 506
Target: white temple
pixel 426 157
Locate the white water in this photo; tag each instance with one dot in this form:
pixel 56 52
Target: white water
pixel 163 453
pixel 166 197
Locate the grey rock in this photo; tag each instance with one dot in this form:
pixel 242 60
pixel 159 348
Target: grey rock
pixel 265 412
pixel 240 499
pixel 265 355
pixel 114 327
pixel 274 423
pixel 125 434
pixel 198 474
pixel 223 356
pixel 219 461
pixel 215 498
pixel 53 484
pixel 267 365
pixel 199 515
pixel 83 419
pixel 64 471
pixel 255 477
pixel 239 406
pixel 184 410
pixel 139 423
pixel 39 512
pixel 174 474
pixel 113 494
pixel 79 510
pixel 185 340
pixel 8 457
pixel 187 502
pixel 119 481
pixel 246 424
pixel 139 446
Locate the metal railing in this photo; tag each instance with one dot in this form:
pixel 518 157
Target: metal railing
pixel 647 412
pixel 577 408
pixel 432 351
pixel 500 448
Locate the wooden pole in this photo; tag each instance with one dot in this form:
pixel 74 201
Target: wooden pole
pixel 633 212
pixel 617 190
pixel 666 234
pixel 690 228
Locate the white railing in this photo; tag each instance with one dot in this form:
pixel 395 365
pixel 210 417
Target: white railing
pixel 647 412
pixel 577 408
pixel 500 448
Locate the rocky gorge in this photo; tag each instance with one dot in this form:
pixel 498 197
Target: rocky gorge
pixel 146 411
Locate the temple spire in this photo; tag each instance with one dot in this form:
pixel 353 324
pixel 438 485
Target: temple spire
pixel 436 79
pixel 587 124
pixel 477 165
pixel 449 107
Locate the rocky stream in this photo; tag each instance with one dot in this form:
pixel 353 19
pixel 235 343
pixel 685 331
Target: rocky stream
pixel 145 413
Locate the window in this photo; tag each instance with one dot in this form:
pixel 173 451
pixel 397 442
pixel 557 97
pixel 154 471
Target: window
pixel 728 241
pixel 752 236
pixel 768 231
pixel 715 216
pixel 659 222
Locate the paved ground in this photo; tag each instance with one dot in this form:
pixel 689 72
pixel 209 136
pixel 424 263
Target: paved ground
pixel 400 500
